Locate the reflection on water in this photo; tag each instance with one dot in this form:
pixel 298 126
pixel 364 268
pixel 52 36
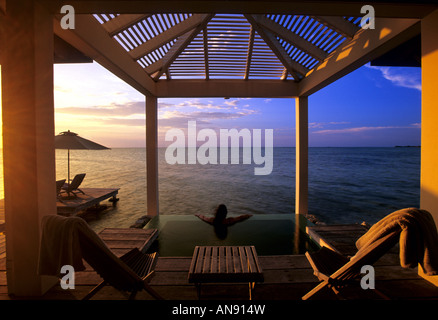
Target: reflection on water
pixel 270 234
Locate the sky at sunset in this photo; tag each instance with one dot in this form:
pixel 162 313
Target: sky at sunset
pixel 372 106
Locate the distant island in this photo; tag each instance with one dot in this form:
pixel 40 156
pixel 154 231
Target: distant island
pixel 407 147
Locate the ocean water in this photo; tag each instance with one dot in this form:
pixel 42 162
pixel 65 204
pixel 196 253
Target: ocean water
pixel 346 185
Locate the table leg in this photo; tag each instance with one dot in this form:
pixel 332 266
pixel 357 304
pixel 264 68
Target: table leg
pixel 251 286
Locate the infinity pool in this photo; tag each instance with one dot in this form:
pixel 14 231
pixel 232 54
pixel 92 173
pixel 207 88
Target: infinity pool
pixel 271 234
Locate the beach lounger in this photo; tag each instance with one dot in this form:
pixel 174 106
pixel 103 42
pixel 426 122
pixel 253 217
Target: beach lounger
pixel 337 271
pixel 413 228
pixel 73 187
pixel 68 240
pixel 59 185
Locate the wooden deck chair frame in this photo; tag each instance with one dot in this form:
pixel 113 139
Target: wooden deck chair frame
pixel 74 185
pixel 129 273
pixel 59 185
pixel 337 271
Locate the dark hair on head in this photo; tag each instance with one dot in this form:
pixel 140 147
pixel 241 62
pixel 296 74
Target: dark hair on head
pixel 220 214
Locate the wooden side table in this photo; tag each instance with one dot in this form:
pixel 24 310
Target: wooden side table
pixel 211 264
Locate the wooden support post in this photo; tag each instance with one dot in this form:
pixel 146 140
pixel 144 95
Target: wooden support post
pixel 152 155
pixel 429 104
pixel 28 140
pixel 302 150
pixel 429 119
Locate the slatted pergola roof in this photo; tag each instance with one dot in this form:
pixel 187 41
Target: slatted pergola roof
pixel 228 46
pixel 232 48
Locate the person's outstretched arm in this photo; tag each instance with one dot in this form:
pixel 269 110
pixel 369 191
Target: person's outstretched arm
pixel 233 220
pixel 204 218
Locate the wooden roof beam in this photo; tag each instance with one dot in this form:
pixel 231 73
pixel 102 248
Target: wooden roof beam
pixel 290 37
pixel 340 25
pixel 168 35
pixel 93 40
pixel 186 88
pixel 297 70
pixel 250 49
pixel 285 74
pixel 183 41
pixel 350 8
pixel 366 45
pixel 122 22
pixel 205 38
pixel 168 75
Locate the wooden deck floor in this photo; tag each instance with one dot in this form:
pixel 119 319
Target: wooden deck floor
pixel 91 197
pixel 287 277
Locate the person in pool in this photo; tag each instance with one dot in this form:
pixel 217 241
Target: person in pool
pixel 220 217
pixel 220 220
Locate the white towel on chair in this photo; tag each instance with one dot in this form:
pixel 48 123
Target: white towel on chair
pixel 60 244
pixel 418 238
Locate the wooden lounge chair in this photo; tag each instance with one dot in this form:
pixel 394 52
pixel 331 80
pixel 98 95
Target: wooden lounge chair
pixel 59 185
pixel 73 187
pixel 76 240
pixel 337 271
pixel 418 244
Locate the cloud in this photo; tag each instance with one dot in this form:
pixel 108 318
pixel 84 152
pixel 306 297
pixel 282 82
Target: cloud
pixel 232 103
pixel 114 109
pixel 401 77
pixel 124 122
pixel 197 104
pixel 111 110
pixel 203 111
pixel 361 129
pixel 138 107
pixel 170 114
pixel 320 125
pixel 179 119
pixel 351 130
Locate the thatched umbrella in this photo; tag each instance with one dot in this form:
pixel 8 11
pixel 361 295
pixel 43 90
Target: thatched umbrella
pixel 70 140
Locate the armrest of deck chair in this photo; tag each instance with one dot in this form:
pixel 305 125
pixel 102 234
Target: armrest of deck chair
pixel 351 269
pixel 325 262
pixel 143 264
pixel 131 272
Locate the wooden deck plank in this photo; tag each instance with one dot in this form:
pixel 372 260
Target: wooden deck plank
pixel 128 238
pixel 283 262
pixel 251 261
pixel 214 261
pixel 215 270
pixel 286 277
pixel 125 235
pixel 408 289
pixel 229 262
pixel 208 264
pixel 174 264
pixel 236 260
pixel 92 196
pixel 222 260
pixel 199 256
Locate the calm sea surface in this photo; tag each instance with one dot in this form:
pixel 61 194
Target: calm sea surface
pixel 346 185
